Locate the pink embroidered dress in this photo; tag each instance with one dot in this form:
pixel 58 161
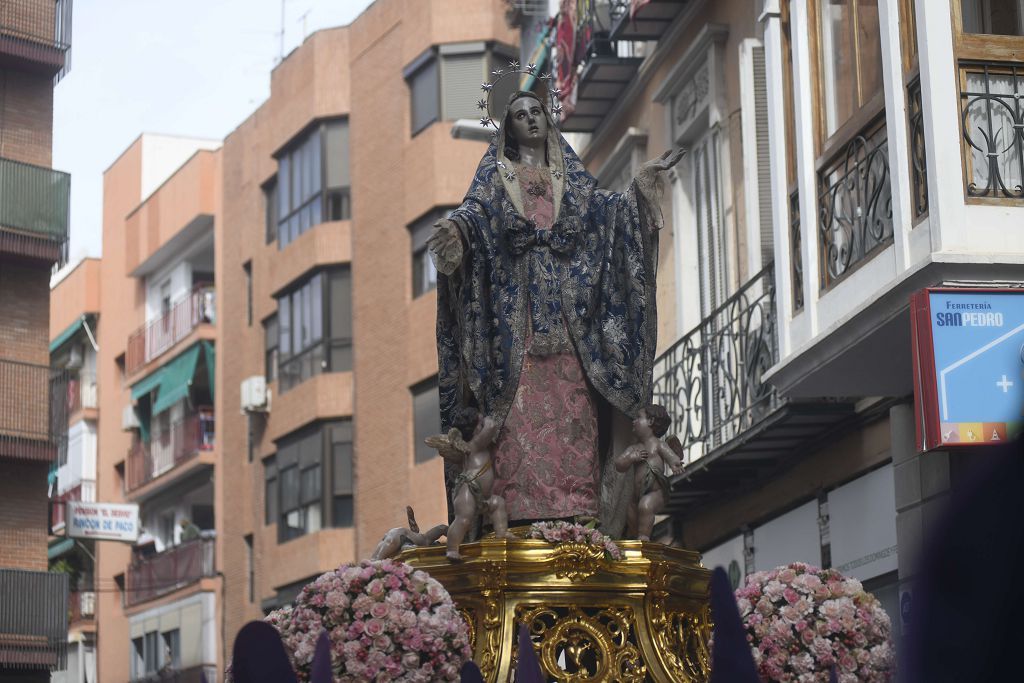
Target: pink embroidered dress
pixel 545 460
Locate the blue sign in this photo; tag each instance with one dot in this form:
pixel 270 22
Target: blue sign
pixel 978 342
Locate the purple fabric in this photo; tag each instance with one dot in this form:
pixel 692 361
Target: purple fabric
pixel 321 669
pixel 731 659
pixel 528 670
pixel 259 656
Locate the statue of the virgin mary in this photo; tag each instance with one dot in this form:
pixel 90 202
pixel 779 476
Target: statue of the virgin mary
pixel 546 315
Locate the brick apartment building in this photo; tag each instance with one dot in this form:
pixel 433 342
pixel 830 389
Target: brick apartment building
pixel 265 331
pixel 34 55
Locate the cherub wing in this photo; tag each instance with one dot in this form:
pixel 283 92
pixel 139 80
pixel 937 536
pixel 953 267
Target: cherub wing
pixel 676 446
pixel 449 446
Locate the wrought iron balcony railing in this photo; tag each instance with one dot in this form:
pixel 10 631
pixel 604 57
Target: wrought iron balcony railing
pixel 33 619
pixel 185 439
pixel 710 381
pixel 796 254
pixel 81 606
pixel 157 336
pixel 34 206
pixel 165 572
pixel 33 412
pixel 854 205
pixel 918 152
pixel 37 32
pixel 992 113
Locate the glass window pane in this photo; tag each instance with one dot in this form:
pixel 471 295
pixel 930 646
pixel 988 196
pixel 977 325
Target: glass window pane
pixel 310 485
pixel 869 47
pixel 837 62
pixel 270 332
pixel 289 488
pixel 284 317
pixel 317 307
pixel 426 419
pixel 313 518
pixel 998 17
pixel 316 211
pixel 341 454
pixel 315 168
pixel 336 148
pixel 340 282
pixel 270 501
pixel 283 184
pixel 297 321
pixel 343 511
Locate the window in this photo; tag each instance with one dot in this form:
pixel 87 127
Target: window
pixel 270 503
pixel 295 479
pixel 994 17
pixel 247 267
pixel 271 338
pixel 426 409
pixel 849 61
pixel 713 256
pixel 315 328
pixel 171 653
pixel 313 181
pixel 444 81
pixel 424 275
pixel 270 204
pixel 145 656
pixel 250 566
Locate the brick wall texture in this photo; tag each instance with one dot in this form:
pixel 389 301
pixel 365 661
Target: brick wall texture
pixel 26 117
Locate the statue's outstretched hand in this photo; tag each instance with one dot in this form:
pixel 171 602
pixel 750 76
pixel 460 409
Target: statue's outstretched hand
pixel 445 246
pixel 661 164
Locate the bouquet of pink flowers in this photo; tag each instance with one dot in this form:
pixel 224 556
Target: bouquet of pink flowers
pixel 566 532
pixel 801 621
pixel 386 622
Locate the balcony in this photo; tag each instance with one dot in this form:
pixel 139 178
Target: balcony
pixel 36 35
pixel 34 206
pixel 992 113
pixel 157 336
pixel 82 393
pixel 644 19
pixel 33 620
pixel 166 572
pixel 186 438
pixel 84 491
pixel 33 412
pixel 732 426
pixel 81 607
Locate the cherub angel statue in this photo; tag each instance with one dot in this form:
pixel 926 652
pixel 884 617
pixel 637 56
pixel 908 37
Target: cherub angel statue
pixel 468 445
pixel 647 458
pixel 399 537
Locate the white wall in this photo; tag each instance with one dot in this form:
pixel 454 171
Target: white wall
pixel 792 537
pixel 862 525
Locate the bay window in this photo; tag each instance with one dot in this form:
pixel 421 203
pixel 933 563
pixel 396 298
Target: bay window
pixel 314 322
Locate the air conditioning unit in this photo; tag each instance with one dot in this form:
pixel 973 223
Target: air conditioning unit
pixel 255 397
pixel 129 420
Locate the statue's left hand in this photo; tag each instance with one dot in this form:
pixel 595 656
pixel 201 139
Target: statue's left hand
pixel 663 163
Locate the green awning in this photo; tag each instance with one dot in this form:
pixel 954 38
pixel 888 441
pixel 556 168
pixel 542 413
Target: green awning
pixel 59 548
pixel 148 384
pixel 67 334
pixel 211 364
pixel 538 57
pixel 176 378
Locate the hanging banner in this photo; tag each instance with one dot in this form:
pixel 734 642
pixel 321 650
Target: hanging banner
pixel 968 366
pixel 103 521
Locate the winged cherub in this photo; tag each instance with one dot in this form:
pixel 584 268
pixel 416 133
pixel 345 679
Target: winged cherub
pixel 468 444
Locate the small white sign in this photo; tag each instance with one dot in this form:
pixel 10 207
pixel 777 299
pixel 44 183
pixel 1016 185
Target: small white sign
pixel 103 521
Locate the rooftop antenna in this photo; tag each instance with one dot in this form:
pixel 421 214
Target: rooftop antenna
pixel 303 20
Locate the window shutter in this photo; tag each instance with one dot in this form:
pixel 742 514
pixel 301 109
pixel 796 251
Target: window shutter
pixel 764 182
pixel 461 76
pixel 423 91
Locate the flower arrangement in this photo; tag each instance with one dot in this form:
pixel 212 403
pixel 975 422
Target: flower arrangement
pixel 802 621
pixel 567 532
pixel 386 622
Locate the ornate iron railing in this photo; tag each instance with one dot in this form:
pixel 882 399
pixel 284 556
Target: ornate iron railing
pixel 33 619
pixel 34 207
pixel 38 31
pixel 33 412
pixel 918 152
pixel 992 114
pixel 174 568
pixel 854 206
pixel 157 336
pixel 186 438
pixel 710 381
pixel 796 254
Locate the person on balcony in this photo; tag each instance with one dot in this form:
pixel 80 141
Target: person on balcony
pixel 546 315
pixel 189 531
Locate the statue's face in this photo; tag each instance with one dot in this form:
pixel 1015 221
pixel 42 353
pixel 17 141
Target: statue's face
pixel 529 125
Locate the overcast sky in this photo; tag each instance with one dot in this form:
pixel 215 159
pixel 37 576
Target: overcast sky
pixel 189 67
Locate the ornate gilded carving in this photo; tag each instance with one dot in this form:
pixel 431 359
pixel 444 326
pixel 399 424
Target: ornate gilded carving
pixel 577 561
pixel 639 619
